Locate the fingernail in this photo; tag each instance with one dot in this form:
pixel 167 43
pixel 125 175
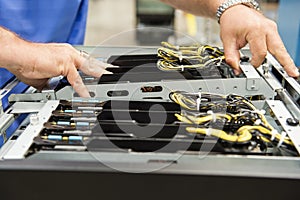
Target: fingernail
pixel 107 72
pixel 296 72
pixel 236 72
pixel 112 66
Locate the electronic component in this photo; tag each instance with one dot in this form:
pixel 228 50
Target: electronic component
pixel 203 121
pixel 231 118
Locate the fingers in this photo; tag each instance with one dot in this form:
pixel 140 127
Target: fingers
pixel 278 50
pixel 92 66
pixel 232 54
pixel 76 82
pixel 258 48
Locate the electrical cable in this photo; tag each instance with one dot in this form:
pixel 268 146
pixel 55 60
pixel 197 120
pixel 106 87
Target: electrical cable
pixel 179 58
pixel 239 124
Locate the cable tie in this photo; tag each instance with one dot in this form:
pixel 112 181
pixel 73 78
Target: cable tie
pixel 274 133
pixel 257 122
pixel 283 134
pixel 214 50
pixel 220 61
pixel 198 101
pixel 182 67
pixel 263 112
pixel 207 132
pixel 180 56
pixel 210 112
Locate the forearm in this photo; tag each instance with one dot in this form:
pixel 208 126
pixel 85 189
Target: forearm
pixel 34 63
pixel 13 49
pixel 206 8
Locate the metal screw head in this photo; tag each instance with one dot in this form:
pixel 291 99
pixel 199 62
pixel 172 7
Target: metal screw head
pixel 34 119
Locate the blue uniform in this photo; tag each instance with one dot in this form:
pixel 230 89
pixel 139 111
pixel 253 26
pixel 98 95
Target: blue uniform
pixel 41 21
pixel 46 20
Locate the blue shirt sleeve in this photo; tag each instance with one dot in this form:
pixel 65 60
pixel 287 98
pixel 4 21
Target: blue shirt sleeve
pixel 46 20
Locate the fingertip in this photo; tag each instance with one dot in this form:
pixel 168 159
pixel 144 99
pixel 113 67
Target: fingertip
pixel 107 72
pixel 255 63
pixel 237 72
pixel 99 64
pixel 232 57
pixel 112 66
pixel 234 63
pixel 82 90
pixel 77 83
pixel 294 73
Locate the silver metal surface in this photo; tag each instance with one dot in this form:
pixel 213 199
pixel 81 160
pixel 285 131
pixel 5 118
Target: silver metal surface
pixel 24 141
pixel 253 79
pixel 44 96
pixel 282 114
pixel 256 82
pixel 289 103
pixel 222 165
pixel 243 86
pixel 5 121
pixel 222 86
pixel 27 107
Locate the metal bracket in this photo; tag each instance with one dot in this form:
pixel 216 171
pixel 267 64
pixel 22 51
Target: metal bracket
pixel 281 114
pixel 24 141
pixel 253 78
pixel 26 107
pixel 44 96
pixel 5 121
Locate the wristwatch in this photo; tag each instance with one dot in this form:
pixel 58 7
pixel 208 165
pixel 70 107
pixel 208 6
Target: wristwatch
pixel 224 6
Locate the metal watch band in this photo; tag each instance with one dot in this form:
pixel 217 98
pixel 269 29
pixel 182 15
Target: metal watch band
pixel 224 6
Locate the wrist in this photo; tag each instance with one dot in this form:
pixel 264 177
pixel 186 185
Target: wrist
pixel 231 3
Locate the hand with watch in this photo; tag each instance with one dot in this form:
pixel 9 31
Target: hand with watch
pixel 242 23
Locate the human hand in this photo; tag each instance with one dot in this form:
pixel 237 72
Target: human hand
pixel 43 61
pixel 241 25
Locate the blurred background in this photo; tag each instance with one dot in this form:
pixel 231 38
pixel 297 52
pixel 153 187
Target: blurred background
pixel 115 22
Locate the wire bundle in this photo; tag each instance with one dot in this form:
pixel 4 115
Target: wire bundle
pixel 178 58
pixel 241 123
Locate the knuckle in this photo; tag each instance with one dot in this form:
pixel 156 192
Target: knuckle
pixel 256 25
pixel 279 50
pixel 258 58
pixel 261 53
pixel 229 60
pixel 67 49
pixel 67 46
pixel 272 24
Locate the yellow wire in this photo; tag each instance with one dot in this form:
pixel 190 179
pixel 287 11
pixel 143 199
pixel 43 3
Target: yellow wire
pixel 244 137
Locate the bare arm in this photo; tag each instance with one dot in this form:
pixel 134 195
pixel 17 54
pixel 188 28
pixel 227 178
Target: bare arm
pixel 241 25
pixel 35 63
